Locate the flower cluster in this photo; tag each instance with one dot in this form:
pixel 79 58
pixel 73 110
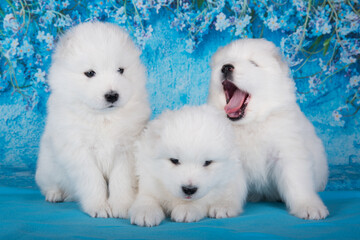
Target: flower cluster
pixel 319 35
pixel 30 31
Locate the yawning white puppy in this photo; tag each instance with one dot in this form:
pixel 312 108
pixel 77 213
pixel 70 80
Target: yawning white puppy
pixel 97 108
pixel 188 168
pixel 281 154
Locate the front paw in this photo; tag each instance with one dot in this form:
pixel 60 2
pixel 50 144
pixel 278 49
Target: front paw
pixel 224 211
pixel 101 210
pixel 146 216
pixel 313 210
pixel 187 213
pixel 54 196
pixel 119 209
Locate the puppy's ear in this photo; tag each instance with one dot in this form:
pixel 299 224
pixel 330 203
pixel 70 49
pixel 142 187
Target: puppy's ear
pixel 137 51
pixel 277 56
pixel 280 61
pixel 152 133
pixel 64 46
pixel 215 58
pixel 127 40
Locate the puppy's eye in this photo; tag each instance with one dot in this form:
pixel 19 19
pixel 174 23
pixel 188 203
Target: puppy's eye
pixel 207 163
pixel 174 161
pixel 121 70
pixel 254 63
pixel 90 73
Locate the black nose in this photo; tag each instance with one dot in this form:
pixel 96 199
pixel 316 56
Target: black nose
pixel 111 96
pixel 189 190
pixel 227 68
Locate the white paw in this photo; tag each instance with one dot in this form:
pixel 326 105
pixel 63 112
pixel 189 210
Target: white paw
pixel 313 210
pixel 146 216
pixel 220 211
pixel 119 209
pixel 187 213
pixel 54 196
pixel 98 211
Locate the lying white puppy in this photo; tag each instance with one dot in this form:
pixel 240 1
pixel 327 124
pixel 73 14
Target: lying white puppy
pixel 282 156
pixel 188 168
pixel 97 108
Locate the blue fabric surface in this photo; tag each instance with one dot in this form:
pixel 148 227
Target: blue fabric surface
pixel 178 39
pixel 24 214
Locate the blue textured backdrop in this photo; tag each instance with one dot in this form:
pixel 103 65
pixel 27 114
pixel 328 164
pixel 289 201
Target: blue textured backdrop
pixel 320 40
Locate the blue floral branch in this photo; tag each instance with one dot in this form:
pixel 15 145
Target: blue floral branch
pixel 321 34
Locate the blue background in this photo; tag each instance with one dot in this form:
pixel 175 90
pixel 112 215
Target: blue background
pixel 178 39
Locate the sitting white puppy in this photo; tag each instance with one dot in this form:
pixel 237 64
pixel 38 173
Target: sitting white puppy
pixel 188 168
pixel 97 108
pixel 281 154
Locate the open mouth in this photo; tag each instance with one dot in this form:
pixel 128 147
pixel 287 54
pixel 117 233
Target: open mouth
pixel 236 100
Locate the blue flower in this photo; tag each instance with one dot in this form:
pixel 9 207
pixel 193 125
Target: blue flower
pixel 189 45
pixel 27 49
pixel 41 36
pixel 10 23
pixel 354 81
pixel 94 11
pixel 137 19
pixel 241 24
pixel 272 23
pixel 221 22
pixel 14 43
pixel 186 6
pixel 301 97
pixel 120 17
pixel 64 4
pixel 26 45
pixel 64 21
pixel 337 115
pixel 49 38
pixel 347 58
pixel 141 35
pixel 48 17
pixel 325 28
pixel 139 4
pixel 40 76
pixel 11 47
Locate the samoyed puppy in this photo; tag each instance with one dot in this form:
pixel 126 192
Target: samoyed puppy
pixel 97 107
pixel 281 154
pixel 188 168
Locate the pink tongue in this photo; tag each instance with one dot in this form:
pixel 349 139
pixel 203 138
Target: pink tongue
pixel 235 102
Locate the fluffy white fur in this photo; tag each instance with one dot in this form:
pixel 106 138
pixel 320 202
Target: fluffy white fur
pixel 281 154
pixel 86 151
pixel 192 135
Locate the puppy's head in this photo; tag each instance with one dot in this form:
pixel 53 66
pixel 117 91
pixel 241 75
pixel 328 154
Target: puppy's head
pixel 97 65
pixel 189 152
pixel 249 80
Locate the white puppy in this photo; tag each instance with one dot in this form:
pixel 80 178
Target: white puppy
pixel 188 168
pixel 281 154
pixel 97 108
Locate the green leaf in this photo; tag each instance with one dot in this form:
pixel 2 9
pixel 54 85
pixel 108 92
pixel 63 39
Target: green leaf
pixel 200 3
pixel 315 43
pixel 2 12
pixel 326 45
pixel 11 5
